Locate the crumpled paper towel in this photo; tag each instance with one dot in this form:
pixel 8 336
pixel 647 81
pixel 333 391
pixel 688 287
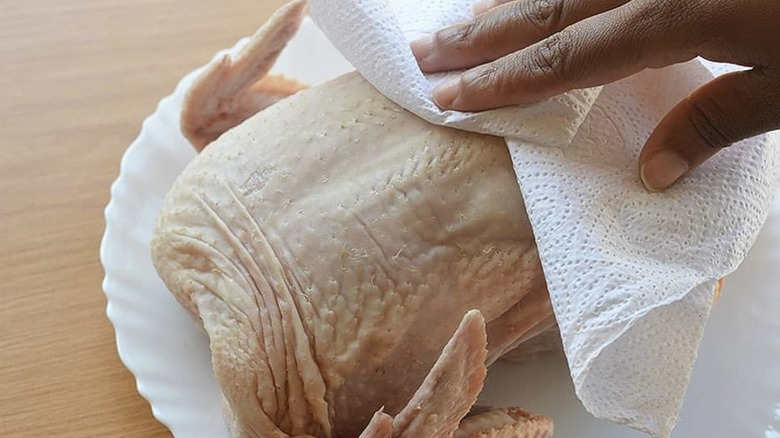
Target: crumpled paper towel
pixel 631 274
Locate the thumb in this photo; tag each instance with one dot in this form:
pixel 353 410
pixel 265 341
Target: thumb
pixel 731 108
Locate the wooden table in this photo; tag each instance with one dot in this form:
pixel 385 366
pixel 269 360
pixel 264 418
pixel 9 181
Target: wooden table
pixel 77 77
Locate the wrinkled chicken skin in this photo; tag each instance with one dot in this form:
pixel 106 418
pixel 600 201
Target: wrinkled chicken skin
pixel 355 268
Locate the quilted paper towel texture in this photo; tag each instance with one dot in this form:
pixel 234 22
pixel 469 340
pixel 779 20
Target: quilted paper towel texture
pixel 631 273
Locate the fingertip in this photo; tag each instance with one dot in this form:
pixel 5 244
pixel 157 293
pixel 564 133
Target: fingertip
pixel 430 57
pixel 663 169
pixel 445 93
pixel 422 47
pixel 649 187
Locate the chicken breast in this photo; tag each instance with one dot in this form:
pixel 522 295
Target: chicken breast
pixel 355 268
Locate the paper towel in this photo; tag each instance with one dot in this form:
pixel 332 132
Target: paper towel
pixel 631 273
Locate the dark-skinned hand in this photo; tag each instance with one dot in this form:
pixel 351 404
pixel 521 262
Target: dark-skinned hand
pixel 523 51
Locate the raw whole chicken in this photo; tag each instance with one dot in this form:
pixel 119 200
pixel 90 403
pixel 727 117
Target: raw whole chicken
pixel 355 268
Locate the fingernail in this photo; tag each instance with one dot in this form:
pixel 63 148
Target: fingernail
pixel 446 93
pixel 422 48
pixel 662 170
pixel 481 6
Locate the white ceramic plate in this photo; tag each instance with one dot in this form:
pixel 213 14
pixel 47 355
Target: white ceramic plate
pixel 735 390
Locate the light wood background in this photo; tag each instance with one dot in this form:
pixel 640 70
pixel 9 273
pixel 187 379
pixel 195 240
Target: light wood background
pixel 77 77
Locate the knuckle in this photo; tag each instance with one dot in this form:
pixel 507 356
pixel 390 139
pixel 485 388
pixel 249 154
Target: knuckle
pixel 551 56
pixel 497 81
pixel 483 80
pixel 711 123
pixel 476 39
pixel 544 15
pixel 458 35
pixel 480 38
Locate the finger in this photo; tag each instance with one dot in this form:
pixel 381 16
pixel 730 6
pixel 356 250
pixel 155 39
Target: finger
pixel 502 30
pixel 731 108
pixel 594 51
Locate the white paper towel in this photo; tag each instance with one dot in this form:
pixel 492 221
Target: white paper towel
pixel 631 274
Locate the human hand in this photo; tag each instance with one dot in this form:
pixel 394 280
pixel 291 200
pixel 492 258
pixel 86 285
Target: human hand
pixel 524 51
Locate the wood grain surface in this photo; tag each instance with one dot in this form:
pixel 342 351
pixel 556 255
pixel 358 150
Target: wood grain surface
pixel 77 77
